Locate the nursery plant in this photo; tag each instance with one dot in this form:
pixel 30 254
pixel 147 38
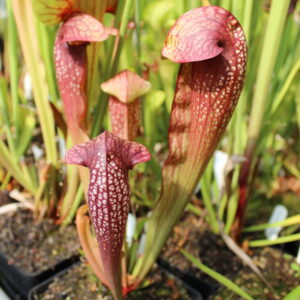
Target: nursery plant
pixel 38 41
pixel 109 158
pixel 230 179
pixel 213 57
pixel 210 79
pixel 125 88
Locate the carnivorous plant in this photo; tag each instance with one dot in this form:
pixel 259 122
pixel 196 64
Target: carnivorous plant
pixel 210 45
pixel 109 159
pixel 125 89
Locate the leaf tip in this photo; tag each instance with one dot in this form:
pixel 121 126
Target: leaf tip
pixel 126 86
pixel 197 35
pixel 77 155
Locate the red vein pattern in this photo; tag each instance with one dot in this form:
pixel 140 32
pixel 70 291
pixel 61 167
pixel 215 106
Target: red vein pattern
pixel 125 89
pixel 210 44
pixel 125 118
pixel 52 12
pixel 109 159
pixel 71 65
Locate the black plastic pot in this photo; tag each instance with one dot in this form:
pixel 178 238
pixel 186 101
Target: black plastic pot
pixel 198 288
pixel 18 283
pixel 42 286
pixel 291 248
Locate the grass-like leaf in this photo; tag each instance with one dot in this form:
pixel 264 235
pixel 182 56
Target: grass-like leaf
pixel 279 240
pixel 217 276
pixel 287 222
pixel 267 61
pixel 27 34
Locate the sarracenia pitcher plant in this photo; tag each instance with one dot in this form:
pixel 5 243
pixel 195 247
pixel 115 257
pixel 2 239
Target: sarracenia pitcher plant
pixel 109 159
pixel 210 45
pixel 77 51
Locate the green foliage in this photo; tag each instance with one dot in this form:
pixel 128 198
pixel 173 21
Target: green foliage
pixel 217 276
pixel 294 294
pixel 296 268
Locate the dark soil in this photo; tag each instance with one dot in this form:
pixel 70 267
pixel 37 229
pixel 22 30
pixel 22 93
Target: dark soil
pixel 161 286
pixel 79 283
pixel 276 267
pixel 35 247
pixel 4 198
pixel 46 245
pixel 192 235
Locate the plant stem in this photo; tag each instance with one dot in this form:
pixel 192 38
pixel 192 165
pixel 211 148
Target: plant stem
pixel 281 94
pixel 217 276
pixel 74 207
pixel 280 240
pixel 46 51
pixel 287 222
pixel 13 67
pixel 11 165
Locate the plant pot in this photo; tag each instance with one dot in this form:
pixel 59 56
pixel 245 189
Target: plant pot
pixel 291 248
pixel 18 283
pixel 37 290
pixel 79 282
pixel 275 267
pixel 32 252
pixel 198 289
pixel 74 282
pixel 193 235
